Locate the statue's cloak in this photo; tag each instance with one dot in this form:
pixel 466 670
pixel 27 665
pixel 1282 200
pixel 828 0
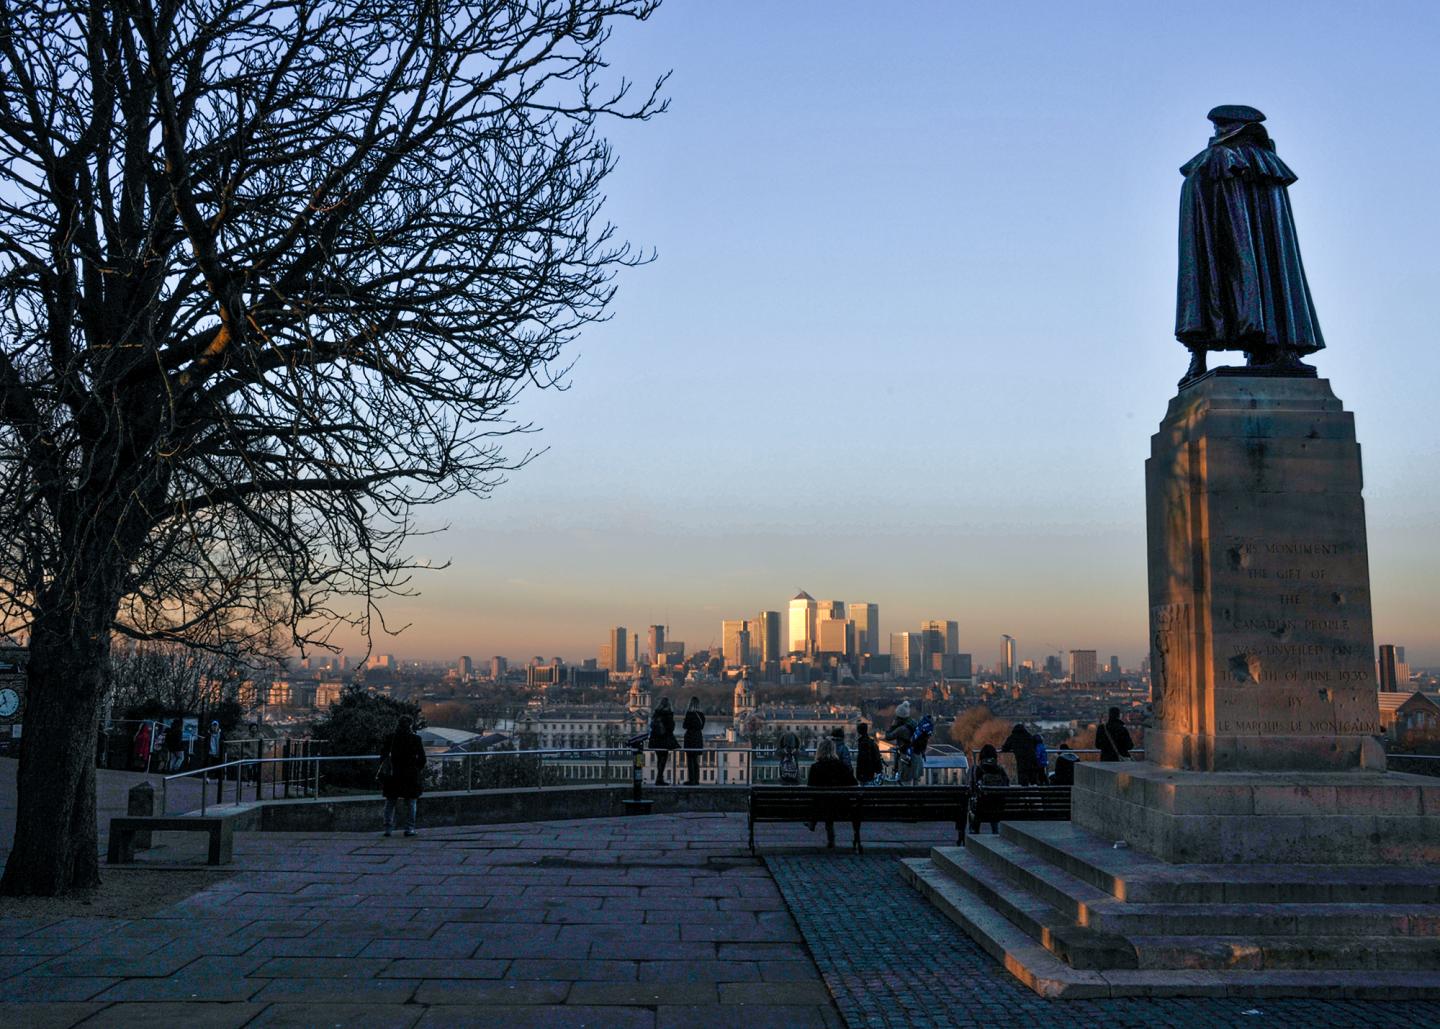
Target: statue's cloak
pixel 1242 285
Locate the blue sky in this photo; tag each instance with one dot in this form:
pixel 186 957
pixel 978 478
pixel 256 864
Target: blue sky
pixel 911 323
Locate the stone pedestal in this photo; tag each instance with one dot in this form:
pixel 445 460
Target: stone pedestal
pixel 1262 653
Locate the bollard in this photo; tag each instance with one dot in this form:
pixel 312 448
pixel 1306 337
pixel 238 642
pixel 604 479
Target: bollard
pixel 141 802
pixel 637 805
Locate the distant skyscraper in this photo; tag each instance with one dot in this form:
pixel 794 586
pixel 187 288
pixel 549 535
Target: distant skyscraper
pixel 1009 658
pixel 906 655
pixel 465 667
pixel 657 643
pixel 830 609
pixel 941 637
pixel 619 649
pixel 835 636
pixel 768 640
pixel 1114 664
pixel 867 627
pixel 1052 666
pixel 498 667
pixel 1082 667
pixel 801 631
pixel 735 642
pixel 1394 671
pixel 606 659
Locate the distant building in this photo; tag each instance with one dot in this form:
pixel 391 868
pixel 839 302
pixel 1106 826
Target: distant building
pixel 465 667
pixel 1082 667
pixel 675 651
pixel 386 661
pixel 1052 666
pixel 801 632
pixel 1009 659
pixel 766 639
pixel 619 650
pixel 834 636
pixel 941 637
pixel 867 627
pixel 498 667
pixel 735 642
pixel 907 655
pixel 1409 717
pixel 1114 667
pixel 656 635
pixel 1394 670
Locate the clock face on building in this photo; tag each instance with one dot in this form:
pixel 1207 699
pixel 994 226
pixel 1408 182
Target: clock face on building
pixel 9 702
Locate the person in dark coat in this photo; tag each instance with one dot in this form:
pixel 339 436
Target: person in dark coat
pixel 828 772
pixel 662 737
pixel 404 780
pixel 175 746
pixel 1022 745
pixel 1112 739
pixel 694 726
pixel 1065 762
pixel 988 773
pixel 868 763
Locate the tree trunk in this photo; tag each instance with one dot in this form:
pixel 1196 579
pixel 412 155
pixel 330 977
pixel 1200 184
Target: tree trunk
pixel 56 846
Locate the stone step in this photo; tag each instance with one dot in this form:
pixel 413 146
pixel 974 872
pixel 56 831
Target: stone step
pixel 1078 946
pixel 1074 898
pixel 1048 976
pixel 1089 906
pixel 1256 953
pixel 1135 877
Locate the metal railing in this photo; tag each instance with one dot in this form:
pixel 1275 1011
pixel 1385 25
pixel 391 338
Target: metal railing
pixel 301 776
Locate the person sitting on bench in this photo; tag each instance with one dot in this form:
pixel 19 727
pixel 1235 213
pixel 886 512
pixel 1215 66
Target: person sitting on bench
pixel 828 772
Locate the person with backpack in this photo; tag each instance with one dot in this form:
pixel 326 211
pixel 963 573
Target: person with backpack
pixel 788 749
pixel 919 742
pixel 662 737
pixel 1022 745
pixel 988 774
pixel 694 726
pixel 1042 760
pixel 1112 739
pixel 402 762
pixel 868 764
pixel 899 737
pixel 1065 762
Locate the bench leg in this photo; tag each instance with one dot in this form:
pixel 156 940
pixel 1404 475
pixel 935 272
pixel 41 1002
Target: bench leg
pixel 222 845
pixel 855 843
pixel 752 835
pixel 121 849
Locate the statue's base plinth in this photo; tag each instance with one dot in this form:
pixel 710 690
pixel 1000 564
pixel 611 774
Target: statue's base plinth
pixel 1353 817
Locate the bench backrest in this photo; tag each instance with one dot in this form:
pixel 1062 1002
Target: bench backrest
pixel 883 803
pixel 1039 802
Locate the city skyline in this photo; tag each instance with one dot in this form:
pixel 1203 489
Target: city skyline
pixel 877 358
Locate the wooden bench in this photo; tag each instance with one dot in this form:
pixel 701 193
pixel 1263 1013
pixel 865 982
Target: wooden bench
pixel 123 829
pixel 857 804
pixel 1019 804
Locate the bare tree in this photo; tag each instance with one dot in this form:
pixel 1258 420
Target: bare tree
pixel 272 273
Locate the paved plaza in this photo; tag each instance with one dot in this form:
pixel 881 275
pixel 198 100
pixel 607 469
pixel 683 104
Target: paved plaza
pixel 655 921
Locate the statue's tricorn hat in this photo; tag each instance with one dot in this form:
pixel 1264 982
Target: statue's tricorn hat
pixel 1234 112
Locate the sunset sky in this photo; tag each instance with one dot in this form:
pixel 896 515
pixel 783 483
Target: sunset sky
pixel 911 322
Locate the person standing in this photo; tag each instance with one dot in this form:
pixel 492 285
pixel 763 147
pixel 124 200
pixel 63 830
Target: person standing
pixel 1042 760
pixel 988 774
pixel 1112 739
pixel 1022 745
pixel 898 736
pixel 662 737
pixel 142 747
pixel 868 763
pixel 694 726
pixel 175 746
pixel 402 764
pixel 828 772
pixel 841 750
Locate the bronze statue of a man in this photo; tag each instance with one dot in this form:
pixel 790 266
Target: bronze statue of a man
pixel 1242 285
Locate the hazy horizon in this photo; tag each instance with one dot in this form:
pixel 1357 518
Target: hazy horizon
pixel 911 323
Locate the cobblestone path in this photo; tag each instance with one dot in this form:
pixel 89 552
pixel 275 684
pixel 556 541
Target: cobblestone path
pixel 890 959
